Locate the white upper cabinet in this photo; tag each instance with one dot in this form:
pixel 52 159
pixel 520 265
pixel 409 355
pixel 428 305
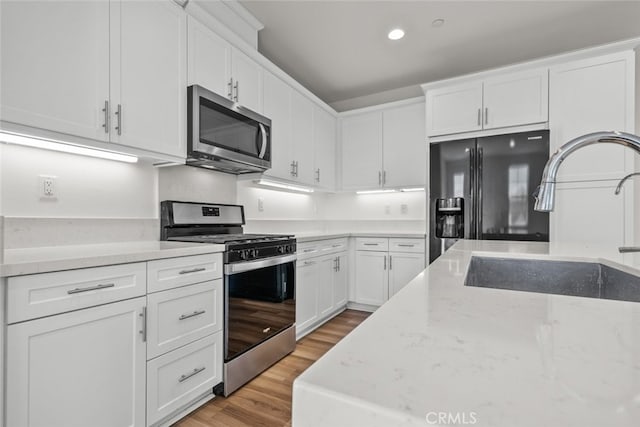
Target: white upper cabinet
pixel 506 100
pixel 384 148
pixel 277 107
pixel 247 81
pixel 302 138
pixel 209 59
pixel 55 66
pixel 362 151
pixel 324 142
pixel 516 99
pixel 108 71
pixel 455 109
pixel 592 95
pixel 221 68
pixel 148 76
pixel 404 146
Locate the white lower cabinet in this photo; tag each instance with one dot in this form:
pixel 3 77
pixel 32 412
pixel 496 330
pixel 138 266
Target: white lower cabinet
pixel 321 283
pixel 380 274
pixel 84 368
pixel 183 375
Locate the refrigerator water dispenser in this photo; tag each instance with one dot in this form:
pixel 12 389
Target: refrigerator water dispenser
pixel 450 218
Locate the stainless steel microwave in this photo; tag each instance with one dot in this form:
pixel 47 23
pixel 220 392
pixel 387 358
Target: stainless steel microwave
pixel 225 136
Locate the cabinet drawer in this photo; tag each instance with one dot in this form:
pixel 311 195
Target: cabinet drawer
pixel 406 245
pixel 174 272
pixel 181 376
pixel 333 245
pixel 372 243
pixel 179 316
pixel 308 249
pixel 38 295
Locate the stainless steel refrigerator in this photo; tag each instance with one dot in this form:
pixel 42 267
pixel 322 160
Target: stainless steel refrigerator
pixel 483 188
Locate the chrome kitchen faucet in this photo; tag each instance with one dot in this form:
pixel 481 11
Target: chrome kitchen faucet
pixel 545 194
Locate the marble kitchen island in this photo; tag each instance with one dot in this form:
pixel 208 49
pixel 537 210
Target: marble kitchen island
pixel 441 353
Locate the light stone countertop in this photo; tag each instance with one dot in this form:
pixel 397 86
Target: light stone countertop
pixel 497 357
pixel 56 258
pixel 317 235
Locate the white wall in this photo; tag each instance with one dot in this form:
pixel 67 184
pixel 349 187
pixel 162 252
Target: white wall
pixel 86 187
pixel 189 184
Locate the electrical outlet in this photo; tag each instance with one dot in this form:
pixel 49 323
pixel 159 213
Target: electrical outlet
pixel 47 186
pixel 404 209
pixel 260 204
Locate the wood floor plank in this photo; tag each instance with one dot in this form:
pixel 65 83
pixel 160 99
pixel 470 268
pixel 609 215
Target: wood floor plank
pixel 266 400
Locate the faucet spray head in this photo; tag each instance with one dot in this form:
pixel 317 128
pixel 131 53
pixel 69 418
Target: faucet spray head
pixel 545 197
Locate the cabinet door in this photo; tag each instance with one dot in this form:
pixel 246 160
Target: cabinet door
pixel 454 109
pixel 148 75
pixel 277 106
pixel 55 65
pixel 209 59
pixel 362 151
pixel 302 137
pixel 516 99
pixel 588 96
pixel 247 80
pixel 324 144
pixel 405 145
pixel 307 274
pixel 85 368
pixel 402 268
pixel 372 278
pixel 326 269
pixel 341 282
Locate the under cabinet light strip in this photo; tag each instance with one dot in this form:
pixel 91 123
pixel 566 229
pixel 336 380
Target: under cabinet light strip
pixel 284 186
pixel 406 190
pixel 51 144
pixel 375 191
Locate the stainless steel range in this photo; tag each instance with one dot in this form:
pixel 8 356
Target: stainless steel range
pixel 259 285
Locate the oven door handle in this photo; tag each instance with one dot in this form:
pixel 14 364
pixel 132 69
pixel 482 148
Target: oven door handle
pixel 241 267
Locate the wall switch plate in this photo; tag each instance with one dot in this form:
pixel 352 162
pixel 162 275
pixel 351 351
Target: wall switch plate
pixel 47 186
pixel 404 209
pixel 260 204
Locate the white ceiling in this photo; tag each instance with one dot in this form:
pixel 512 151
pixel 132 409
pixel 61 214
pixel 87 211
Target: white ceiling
pixel 339 49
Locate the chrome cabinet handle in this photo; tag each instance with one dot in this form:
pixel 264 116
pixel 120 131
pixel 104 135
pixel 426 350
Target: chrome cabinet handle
pixel 390 264
pixel 370 244
pixel 91 288
pixel 335 264
pixel 195 371
pixel 237 91
pixel 230 86
pixel 309 262
pixel 338 259
pixel 119 115
pixel 335 246
pixel 385 262
pixel 384 177
pixel 193 270
pixel 106 116
pixel 309 250
pixel 143 331
pixel 318 175
pixel 486 115
pixel 293 168
pixel 379 177
pixel 479 116
pixel 194 314
pixel 405 245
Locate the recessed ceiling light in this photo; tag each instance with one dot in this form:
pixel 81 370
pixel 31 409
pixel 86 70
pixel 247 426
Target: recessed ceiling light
pixel 437 22
pixel 396 34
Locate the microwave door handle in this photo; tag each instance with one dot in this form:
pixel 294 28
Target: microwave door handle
pixel 263 147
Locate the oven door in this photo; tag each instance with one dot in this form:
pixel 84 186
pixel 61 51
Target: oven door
pixel 259 302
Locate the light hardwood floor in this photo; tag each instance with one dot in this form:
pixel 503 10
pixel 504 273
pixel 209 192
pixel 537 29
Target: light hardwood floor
pixel 266 400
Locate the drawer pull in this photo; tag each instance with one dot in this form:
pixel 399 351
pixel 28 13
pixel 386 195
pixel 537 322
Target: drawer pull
pixel 371 244
pixel 309 250
pixel 405 246
pixel 335 246
pixel 193 270
pixel 196 371
pixel 91 288
pixel 194 314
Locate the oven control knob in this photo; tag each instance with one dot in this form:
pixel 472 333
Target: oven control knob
pixel 244 254
pixel 253 253
pixel 282 249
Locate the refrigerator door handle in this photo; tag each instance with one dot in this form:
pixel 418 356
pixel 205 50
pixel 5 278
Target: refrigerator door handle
pixel 472 192
pixel 479 196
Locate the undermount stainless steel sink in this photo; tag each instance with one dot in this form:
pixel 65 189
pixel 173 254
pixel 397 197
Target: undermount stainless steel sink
pixel 583 279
